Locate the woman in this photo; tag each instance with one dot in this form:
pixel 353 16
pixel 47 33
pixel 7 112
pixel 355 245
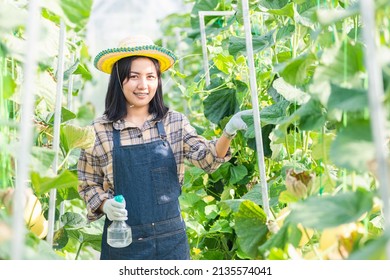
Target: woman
pixel 139 152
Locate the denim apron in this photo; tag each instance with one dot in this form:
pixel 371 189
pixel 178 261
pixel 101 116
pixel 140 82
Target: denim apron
pixel 146 175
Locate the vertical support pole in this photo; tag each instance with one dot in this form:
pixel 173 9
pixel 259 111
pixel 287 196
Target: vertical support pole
pixel 69 106
pixel 202 15
pixel 204 48
pixel 26 131
pixel 57 124
pixel 181 64
pixel 70 87
pixel 376 98
pixel 255 106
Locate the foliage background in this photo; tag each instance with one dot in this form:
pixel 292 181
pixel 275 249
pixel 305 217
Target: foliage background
pixel 312 87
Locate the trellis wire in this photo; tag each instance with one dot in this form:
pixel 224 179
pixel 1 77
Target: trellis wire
pixel 56 136
pixel 256 112
pixel 203 14
pixel 376 98
pixel 26 131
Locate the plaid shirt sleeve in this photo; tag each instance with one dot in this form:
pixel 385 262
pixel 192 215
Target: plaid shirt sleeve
pixel 90 175
pixel 200 151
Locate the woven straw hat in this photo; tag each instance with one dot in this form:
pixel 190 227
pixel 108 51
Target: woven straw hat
pixel 134 46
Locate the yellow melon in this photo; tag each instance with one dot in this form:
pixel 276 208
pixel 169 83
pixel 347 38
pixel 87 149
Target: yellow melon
pixel 40 227
pixel 33 208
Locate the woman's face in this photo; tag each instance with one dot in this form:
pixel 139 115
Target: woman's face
pixel 141 86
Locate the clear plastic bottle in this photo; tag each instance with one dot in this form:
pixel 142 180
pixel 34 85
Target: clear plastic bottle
pixel 119 233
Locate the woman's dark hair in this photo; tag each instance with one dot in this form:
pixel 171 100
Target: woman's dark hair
pixel 115 108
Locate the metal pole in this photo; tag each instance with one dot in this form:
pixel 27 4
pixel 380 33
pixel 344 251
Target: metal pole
pixel 376 98
pixel 181 64
pixel 70 88
pixel 26 133
pixel 69 106
pixel 203 14
pixel 255 106
pixel 57 124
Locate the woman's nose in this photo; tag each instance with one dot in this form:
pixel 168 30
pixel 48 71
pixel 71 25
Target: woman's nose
pixel 142 84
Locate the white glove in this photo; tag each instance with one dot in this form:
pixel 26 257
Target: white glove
pixel 114 210
pixel 236 123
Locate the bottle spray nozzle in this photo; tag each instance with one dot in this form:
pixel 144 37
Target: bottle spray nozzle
pixel 119 198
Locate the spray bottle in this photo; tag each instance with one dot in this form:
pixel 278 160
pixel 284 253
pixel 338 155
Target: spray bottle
pixel 119 233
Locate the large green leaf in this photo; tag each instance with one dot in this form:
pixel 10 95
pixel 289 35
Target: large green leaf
pixel 77 11
pixel 309 116
pixel 284 32
pixel 275 113
pixel 201 5
pixel 41 159
pixel 196 226
pixel 256 195
pixel 265 133
pixel 66 115
pixel 290 92
pixel 297 71
pixel 237 173
pixel 73 137
pixel 347 99
pixel 85 114
pixel 43 185
pixel 83 70
pixel 287 10
pixel 250 226
pixel 321 145
pixel 7 86
pixel 88 235
pixel 237 45
pixel 340 64
pixel 68 194
pixel 221 225
pixel 322 212
pixel 312 115
pixel 330 16
pixel 353 147
pixel 73 220
pixel 225 63
pixel 220 103
pixel 277 4
pixel 288 233
pixel 374 250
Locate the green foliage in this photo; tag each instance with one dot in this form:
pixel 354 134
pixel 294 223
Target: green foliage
pixel 313 100
pixel 250 226
pixel 331 211
pixel 312 91
pixel 222 102
pixel 75 15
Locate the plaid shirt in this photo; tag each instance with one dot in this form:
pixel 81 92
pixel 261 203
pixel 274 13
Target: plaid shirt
pixel 95 170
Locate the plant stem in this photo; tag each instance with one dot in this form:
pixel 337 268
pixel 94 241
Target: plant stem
pixel 79 250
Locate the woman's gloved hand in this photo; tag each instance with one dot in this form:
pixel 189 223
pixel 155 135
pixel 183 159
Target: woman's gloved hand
pixel 114 210
pixel 236 123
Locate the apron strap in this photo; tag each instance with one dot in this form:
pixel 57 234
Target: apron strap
pixel 117 137
pixel 161 130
